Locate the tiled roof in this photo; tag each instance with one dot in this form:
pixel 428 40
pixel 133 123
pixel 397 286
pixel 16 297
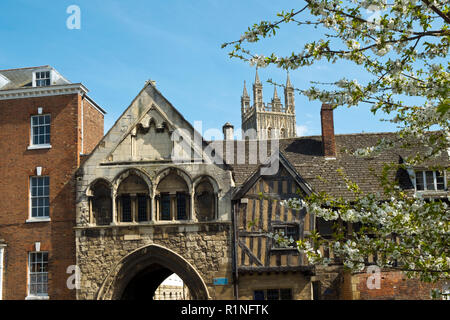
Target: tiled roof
pixel 322 175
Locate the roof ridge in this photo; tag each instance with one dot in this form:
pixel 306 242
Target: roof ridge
pixel 366 133
pixel 25 68
pixel 315 136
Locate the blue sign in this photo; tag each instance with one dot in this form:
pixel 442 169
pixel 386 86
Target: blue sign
pixel 220 281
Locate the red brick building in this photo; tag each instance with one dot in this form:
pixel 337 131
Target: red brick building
pixel 46 124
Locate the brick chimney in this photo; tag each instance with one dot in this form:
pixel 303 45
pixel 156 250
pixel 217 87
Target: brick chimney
pixel 328 141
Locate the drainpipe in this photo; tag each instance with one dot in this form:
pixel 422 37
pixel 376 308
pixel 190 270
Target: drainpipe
pixel 234 253
pixel 82 123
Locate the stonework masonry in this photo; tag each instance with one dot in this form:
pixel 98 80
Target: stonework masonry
pixel 271 120
pixel 171 292
pixel 103 252
pixel 206 247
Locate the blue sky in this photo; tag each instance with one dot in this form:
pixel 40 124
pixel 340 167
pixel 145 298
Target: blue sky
pixel 121 44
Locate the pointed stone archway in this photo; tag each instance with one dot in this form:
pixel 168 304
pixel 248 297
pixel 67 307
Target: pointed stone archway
pixel 146 268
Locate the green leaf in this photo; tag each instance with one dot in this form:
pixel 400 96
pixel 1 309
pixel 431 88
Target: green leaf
pixel 444 107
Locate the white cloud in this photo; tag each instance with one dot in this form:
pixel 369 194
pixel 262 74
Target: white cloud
pixel 302 130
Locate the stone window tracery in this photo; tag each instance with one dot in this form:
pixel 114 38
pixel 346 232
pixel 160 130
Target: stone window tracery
pixel 205 201
pixel 133 200
pixel 173 200
pixel 101 204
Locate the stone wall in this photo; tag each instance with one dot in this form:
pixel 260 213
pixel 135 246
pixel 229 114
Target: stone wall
pixel 330 282
pixel 206 246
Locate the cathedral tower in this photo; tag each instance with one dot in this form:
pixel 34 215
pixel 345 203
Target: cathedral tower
pixel 271 120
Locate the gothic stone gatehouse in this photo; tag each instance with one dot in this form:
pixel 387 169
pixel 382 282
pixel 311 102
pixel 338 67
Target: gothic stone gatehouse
pixel 141 217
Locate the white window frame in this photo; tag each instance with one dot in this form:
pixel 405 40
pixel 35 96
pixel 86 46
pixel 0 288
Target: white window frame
pixel 2 254
pixel 423 172
pixel 34 146
pixel 40 71
pixel 446 292
pixel 36 296
pixel 37 219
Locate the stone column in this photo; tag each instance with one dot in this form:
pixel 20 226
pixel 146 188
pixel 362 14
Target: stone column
pixel 133 200
pixel 173 205
pixel 149 208
pixel 114 209
pixel 118 209
pixel 216 206
pixel 155 207
pixel 193 217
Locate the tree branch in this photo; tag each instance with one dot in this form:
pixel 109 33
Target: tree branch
pixel 436 10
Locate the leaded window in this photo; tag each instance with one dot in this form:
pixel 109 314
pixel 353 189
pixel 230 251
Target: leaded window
pixel 289 233
pixel 273 294
pixel 165 207
pixel 181 206
pixel 126 209
pixel 142 208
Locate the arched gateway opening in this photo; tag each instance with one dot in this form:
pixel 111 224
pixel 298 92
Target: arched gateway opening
pixel 140 273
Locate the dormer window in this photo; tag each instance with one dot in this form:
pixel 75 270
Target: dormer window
pixel 430 181
pixel 3 81
pixel 42 79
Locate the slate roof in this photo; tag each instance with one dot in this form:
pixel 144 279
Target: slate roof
pixel 305 155
pixel 23 77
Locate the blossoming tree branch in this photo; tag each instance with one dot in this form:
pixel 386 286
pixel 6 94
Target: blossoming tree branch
pixel 404 48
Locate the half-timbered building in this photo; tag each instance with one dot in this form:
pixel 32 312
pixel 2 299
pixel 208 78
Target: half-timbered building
pixel 265 270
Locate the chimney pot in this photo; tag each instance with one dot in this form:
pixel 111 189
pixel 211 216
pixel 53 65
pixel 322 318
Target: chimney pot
pixel 228 131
